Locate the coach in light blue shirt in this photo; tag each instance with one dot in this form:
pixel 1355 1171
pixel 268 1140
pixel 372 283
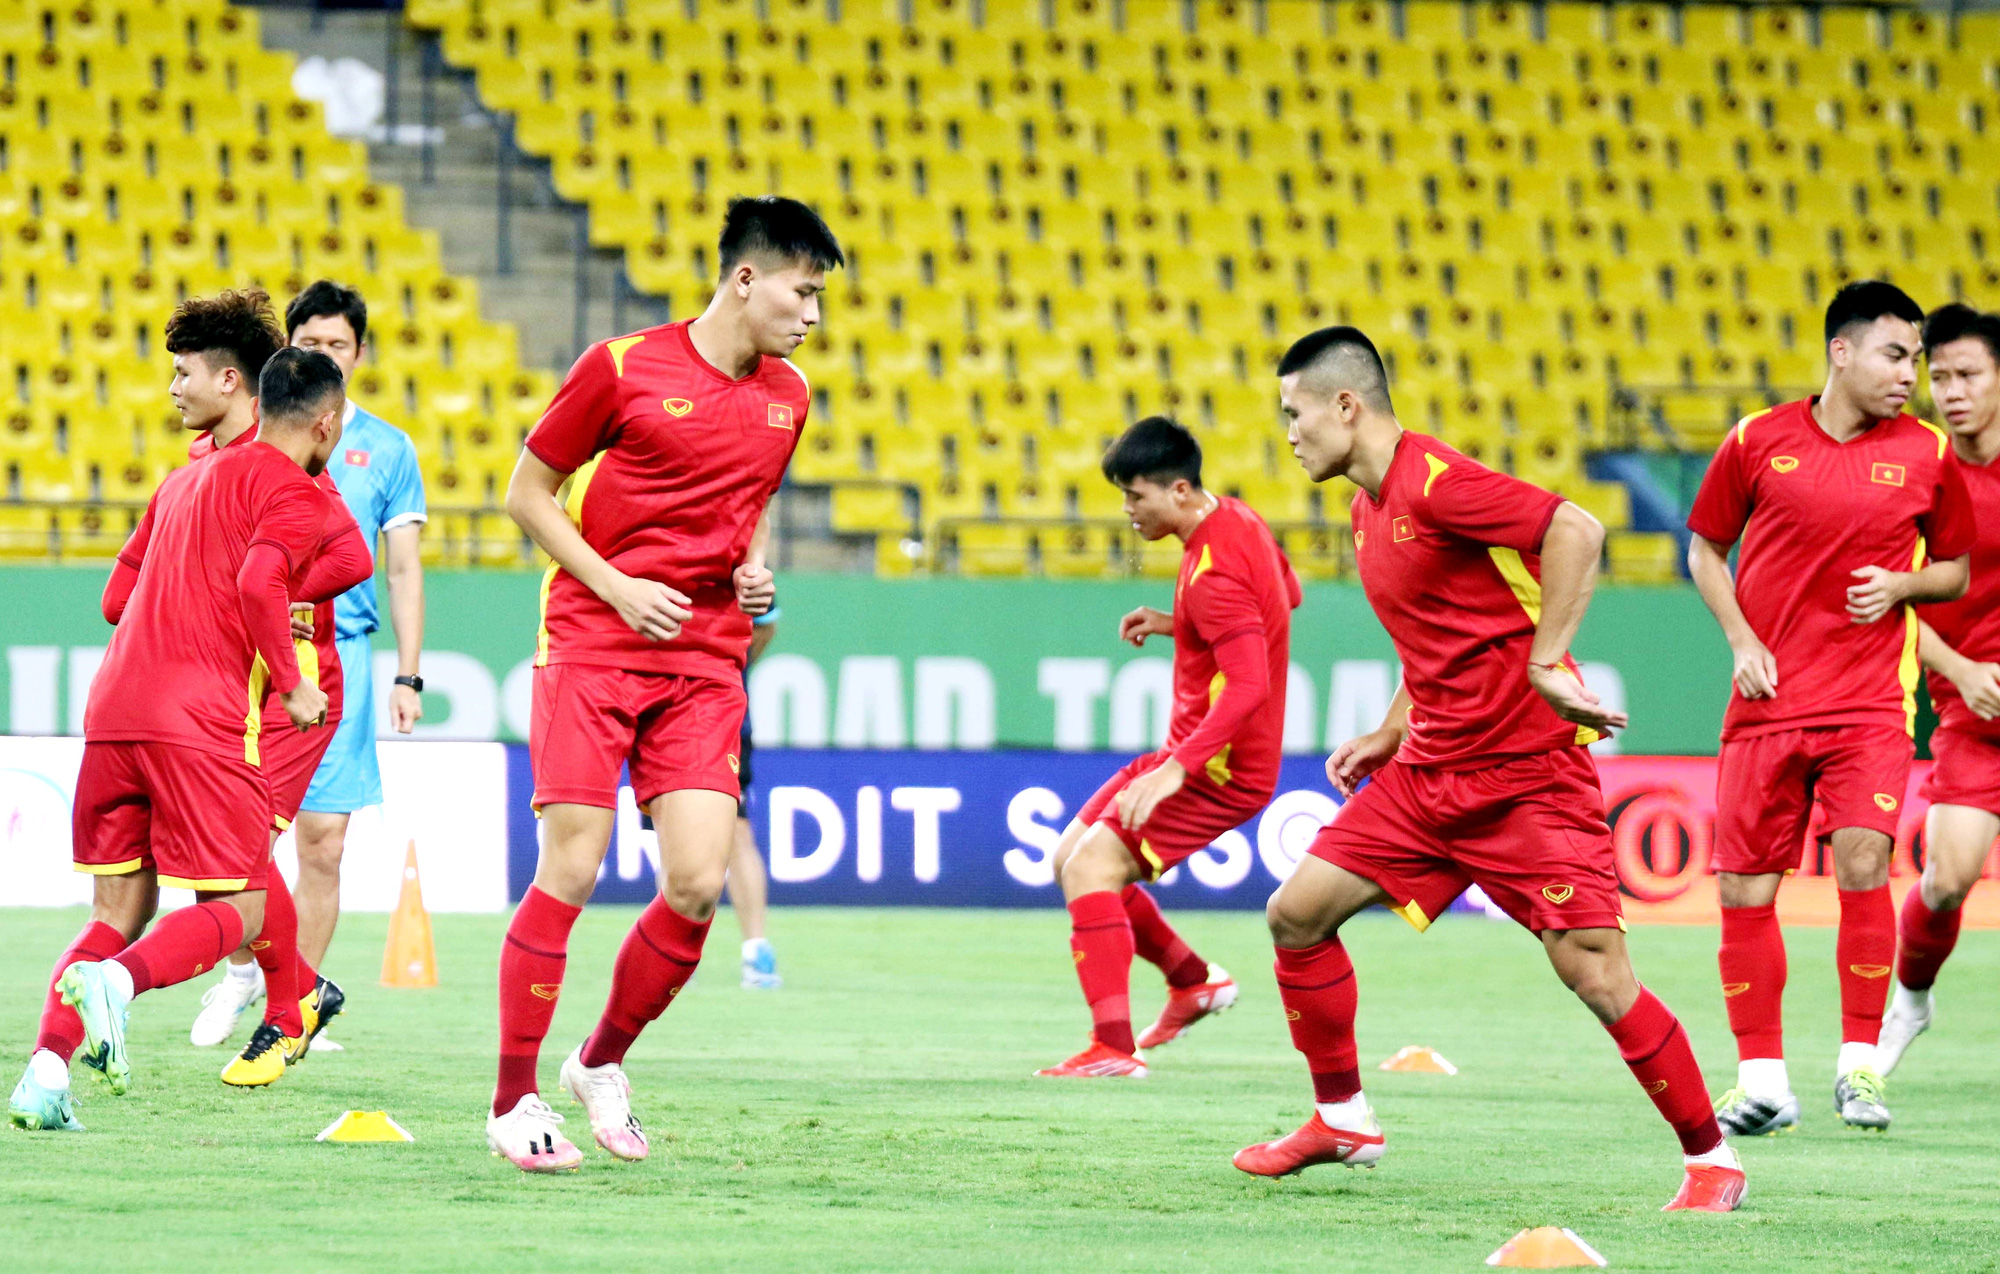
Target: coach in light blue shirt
pixel 376 468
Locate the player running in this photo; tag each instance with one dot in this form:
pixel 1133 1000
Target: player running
pixel 1838 499
pixel 1231 628
pixel 1479 774
pixel 376 473
pixel 1960 642
pixel 672 441
pixel 170 791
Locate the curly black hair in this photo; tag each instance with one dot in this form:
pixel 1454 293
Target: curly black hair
pixel 235 328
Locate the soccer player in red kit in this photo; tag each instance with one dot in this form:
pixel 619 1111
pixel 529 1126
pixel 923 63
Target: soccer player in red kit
pixel 1231 629
pixel 1480 774
pixel 170 791
pixel 1960 643
pixel 1838 500
pixel 672 441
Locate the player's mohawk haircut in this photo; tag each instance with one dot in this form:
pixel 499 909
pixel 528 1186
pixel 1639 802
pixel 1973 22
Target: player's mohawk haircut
pixel 772 226
pixel 1865 300
pixel 1347 358
pixel 235 327
pixel 1157 449
pixel 1956 322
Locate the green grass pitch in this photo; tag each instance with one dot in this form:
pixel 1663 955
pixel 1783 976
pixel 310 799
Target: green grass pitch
pixel 878 1113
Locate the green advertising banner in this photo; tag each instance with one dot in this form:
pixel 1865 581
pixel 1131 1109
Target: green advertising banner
pixel 935 663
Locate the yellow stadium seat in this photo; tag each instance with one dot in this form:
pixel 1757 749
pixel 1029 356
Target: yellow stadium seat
pixel 1643 557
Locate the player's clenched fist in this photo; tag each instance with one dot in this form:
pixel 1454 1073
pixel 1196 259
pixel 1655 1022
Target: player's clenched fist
pixel 305 704
pixel 1143 623
pixel 1360 757
pixel 648 607
pixel 756 588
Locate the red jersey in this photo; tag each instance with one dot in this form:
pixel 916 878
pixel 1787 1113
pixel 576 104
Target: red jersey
pixel 1234 582
pixel 318 658
pixel 182 666
pixel 1450 556
pixel 1811 511
pixel 1971 625
pixel 673 463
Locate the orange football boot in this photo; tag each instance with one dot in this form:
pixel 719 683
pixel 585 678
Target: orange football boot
pixel 1187 1005
pixel 1099 1061
pixel 1710 1188
pixel 1314 1143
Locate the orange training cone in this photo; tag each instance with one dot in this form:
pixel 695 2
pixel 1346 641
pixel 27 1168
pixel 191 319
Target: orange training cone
pixel 1546 1248
pixel 409 959
pixel 1415 1057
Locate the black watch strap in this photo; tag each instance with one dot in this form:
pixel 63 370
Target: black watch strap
pixel 414 682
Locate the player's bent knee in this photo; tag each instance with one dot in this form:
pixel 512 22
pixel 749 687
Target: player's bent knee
pixel 695 896
pixel 1293 926
pixel 1097 862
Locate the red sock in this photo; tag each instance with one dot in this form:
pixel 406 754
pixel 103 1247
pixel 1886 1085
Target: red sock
pixel 531 975
pixel 1100 940
pixel 276 949
pixel 1320 997
pixel 1155 941
pixel 1651 1041
pixel 1926 938
pixel 1752 960
pixel 1866 949
pixel 62 1030
pixel 186 944
pixel 655 961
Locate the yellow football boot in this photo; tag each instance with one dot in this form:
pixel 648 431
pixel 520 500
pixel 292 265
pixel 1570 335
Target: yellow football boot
pixel 263 1060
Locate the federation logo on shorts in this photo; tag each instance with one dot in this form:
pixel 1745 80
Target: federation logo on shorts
pixel 735 766
pixel 1730 990
pixel 778 416
pixel 1558 894
pixel 545 990
pixel 1869 970
pixel 1889 475
pixel 1885 802
pixel 1784 464
pixel 677 406
pixel 1401 530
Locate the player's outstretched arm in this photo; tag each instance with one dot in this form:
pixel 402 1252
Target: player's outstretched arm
pixel 1756 672
pixel 1571 548
pixel 1364 754
pixel 648 607
pixel 1143 623
pixel 1977 683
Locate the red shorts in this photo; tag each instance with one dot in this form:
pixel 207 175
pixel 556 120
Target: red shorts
pixel 200 820
pixel 1967 771
pixel 676 732
pixel 1765 787
pixel 1530 832
pixel 291 757
pixel 1185 823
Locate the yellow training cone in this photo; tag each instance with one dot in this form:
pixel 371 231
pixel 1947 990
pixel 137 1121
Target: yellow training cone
pixel 365 1125
pixel 409 959
pixel 1546 1247
pixel 1415 1057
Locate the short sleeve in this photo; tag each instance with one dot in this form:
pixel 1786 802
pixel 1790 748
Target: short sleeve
pixel 1220 606
pixel 1722 505
pixel 580 419
pixel 403 491
pixel 1471 501
pixel 1949 529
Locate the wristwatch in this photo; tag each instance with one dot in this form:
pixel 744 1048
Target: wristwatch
pixel 414 682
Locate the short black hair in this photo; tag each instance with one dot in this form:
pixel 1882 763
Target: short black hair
pixel 324 298
pixel 1157 449
pixel 234 328
pixel 298 385
pixel 1348 355
pixel 1864 301
pixel 1956 322
pixel 774 226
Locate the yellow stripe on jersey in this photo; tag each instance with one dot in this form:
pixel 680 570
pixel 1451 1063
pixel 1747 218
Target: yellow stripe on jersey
pixel 112 869
pixel 1414 914
pixel 1152 859
pixel 1943 438
pixel 579 482
pixel 217 886
pixel 253 720
pixel 1437 466
pixel 617 350
pixel 1527 589
pixel 1217 767
pixel 308 659
pixel 1743 425
pixel 1908 670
